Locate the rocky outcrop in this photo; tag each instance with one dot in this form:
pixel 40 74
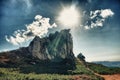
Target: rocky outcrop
pixel 57 48
pixel 38 48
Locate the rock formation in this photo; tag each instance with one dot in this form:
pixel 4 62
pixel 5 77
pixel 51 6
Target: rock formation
pixel 56 48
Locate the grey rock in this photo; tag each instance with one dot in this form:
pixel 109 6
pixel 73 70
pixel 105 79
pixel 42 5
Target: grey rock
pixel 55 51
pixel 56 47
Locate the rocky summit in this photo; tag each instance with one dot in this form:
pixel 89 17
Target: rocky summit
pixel 56 49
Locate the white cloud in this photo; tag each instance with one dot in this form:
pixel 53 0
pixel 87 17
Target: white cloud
pixel 98 17
pixel 11 40
pixel 39 27
pixel 93 14
pixel 106 13
pixel 87 27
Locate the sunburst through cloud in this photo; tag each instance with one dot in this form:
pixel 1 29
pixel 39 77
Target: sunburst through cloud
pixel 69 16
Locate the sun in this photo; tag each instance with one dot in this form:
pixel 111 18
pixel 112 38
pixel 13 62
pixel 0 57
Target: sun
pixel 69 17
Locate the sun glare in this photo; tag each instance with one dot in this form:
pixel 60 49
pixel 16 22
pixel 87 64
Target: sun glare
pixel 69 17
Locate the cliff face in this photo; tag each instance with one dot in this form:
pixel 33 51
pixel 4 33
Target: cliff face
pixel 56 47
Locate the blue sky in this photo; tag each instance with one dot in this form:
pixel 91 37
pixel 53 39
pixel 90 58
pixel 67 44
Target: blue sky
pixel 97 41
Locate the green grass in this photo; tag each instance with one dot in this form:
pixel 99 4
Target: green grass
pixel 81 69
pixel 32 76
pixel 16 74
pixel 103 69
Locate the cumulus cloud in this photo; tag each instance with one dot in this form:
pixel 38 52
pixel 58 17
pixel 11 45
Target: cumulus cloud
pixel 106 13
pixel 39 27
pixel 98 17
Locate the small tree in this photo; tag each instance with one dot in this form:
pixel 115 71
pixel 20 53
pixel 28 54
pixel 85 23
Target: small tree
pixel 81 57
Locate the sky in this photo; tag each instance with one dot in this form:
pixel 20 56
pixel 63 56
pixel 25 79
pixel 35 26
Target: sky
pixel 96 34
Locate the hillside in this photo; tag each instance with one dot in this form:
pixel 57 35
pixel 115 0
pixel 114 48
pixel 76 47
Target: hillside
pixel 80 73
pixel 54 52
pixel 103 70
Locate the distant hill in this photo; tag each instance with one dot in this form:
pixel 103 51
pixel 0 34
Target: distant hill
pixel 109 63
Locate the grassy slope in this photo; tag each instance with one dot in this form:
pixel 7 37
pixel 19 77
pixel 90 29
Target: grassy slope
pixel 98 68
pixel 81 73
